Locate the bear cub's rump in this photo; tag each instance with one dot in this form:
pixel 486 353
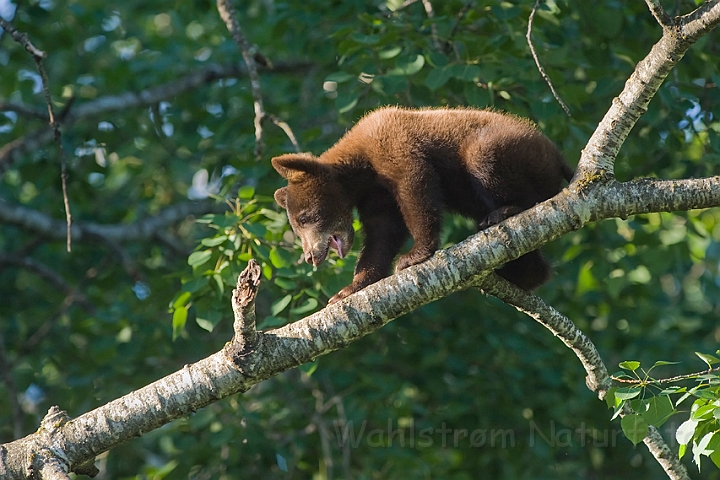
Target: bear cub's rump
pixel 402 169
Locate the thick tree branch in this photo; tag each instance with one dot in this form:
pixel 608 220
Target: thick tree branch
pixel 598 157
pixel 597 380
pixel 336 326
pixel 34 221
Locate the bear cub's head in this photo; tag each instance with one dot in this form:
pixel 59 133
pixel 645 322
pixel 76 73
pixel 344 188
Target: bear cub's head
pixel 318 210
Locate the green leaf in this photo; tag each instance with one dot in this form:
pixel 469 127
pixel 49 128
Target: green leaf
pixel 246 192
pixel 703 413
pixel 255 229
pixel 309 305
pixel 709 359
pixel 339 77
pixel 610 397
pixel 181 300
pixel 213 242
pixel 672 390
pixel 345 103
pixel 626 393
pixel 681 450
pixel 280 305
pixel 630 365
pixel 660 363
pixel 281 257
pixel 208 320
pixel 195 284
pixel 393 5
pixel 310 367
pixel 634 427
pixel 437 78
pixel 466 73
pixel 715 457
pixel 390 52
pixel 198 258
pixel 365 39
pixel 658 410
pixel 408 66
pixel 276 259
pixel 476 96
pixel 179 319
pixel 285 284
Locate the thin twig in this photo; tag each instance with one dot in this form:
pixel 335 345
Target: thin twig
pixel 461 14
pixel 38 55
pixel 537 60
pixel 229 16
pixel 288 131
pixel 659 381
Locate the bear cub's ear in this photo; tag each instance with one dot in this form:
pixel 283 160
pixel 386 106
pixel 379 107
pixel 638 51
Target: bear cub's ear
pixel 281 197
pixel 295 166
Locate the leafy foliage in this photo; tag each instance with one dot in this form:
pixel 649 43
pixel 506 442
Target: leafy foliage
pixel 512 398
pixel 650 402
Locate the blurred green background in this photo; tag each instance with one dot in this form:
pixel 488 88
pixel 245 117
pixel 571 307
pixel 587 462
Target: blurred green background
pixel 461 386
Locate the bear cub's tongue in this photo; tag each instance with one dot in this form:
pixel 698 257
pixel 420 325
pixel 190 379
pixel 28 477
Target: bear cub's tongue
pixel 336 243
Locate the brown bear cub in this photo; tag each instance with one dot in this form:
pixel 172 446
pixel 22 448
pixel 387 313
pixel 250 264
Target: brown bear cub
pixel 402 169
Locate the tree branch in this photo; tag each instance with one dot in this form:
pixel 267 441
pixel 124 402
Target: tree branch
pixel 112 103
pixel 34 221
pixel 38 56
pixel 336 326
pixel 26 110
pixel 597 380
pixel 50 276
pixel 229 16
pixel 659 13
pixel 598 157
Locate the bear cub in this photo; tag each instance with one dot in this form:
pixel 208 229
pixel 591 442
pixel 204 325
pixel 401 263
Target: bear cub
pixel 401 169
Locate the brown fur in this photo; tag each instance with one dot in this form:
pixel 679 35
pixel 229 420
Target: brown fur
pixel 402 169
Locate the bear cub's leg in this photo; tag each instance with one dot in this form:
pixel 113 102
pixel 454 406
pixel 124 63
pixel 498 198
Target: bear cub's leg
pixel 420 199
pixel 527 272
pixel 385 233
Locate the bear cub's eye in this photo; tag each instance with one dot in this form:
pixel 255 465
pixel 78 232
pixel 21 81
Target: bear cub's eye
pixel 303 218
